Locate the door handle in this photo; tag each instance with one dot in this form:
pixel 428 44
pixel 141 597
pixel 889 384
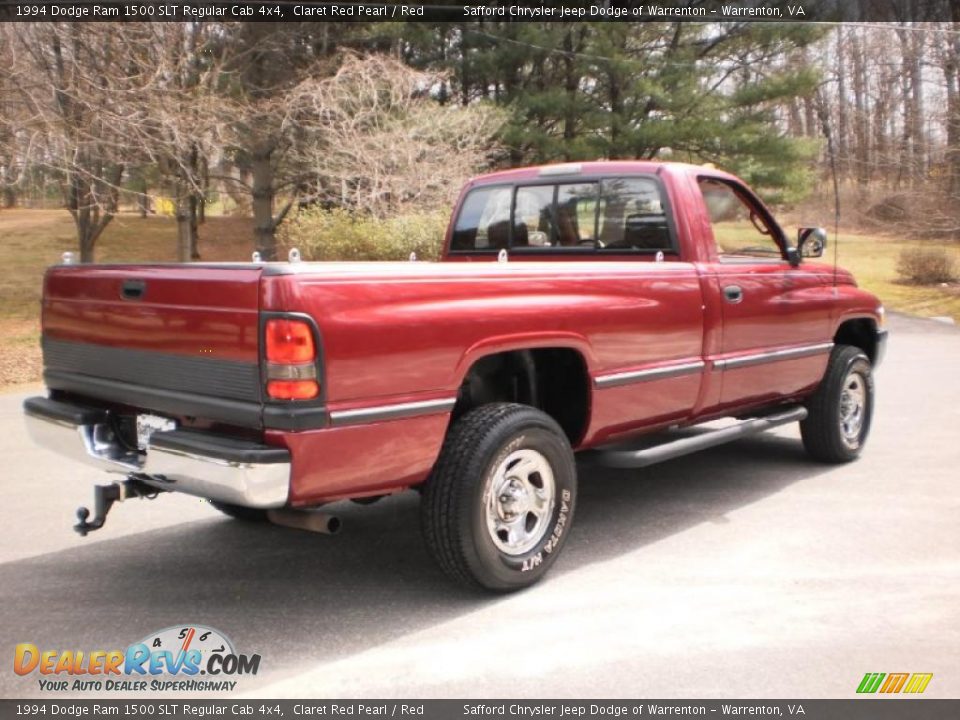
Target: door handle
pixel 133 289
pixel 733 294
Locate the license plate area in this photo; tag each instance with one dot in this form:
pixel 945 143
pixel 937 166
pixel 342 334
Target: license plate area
pixel 147 425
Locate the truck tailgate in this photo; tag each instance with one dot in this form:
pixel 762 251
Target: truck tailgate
pixel 169 338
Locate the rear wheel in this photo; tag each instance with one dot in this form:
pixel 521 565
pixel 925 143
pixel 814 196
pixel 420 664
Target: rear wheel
pixel 498 505
pixel 238 512
pixel 840 411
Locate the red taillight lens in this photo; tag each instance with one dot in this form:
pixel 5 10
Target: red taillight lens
pixel 293 389
pixel 291 360
pixel 289 341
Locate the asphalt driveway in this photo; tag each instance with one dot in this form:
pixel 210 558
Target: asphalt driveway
pixel 744 571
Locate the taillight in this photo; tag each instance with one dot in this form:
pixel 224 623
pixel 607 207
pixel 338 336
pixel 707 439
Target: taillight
pixel 290 341
pixel 293 389
pixel 291 360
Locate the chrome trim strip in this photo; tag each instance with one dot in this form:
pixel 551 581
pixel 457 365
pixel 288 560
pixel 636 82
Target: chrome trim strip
pixel 339 418
pixel 659 373
pixel 772 356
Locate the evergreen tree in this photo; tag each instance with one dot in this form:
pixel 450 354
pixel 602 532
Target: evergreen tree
pixel 684 91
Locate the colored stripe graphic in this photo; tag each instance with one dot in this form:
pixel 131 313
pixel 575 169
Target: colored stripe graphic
pixel 894 682
pixel 918 683
pixel 870 682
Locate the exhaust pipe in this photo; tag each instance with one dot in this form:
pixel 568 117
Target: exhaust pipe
pixel 319 522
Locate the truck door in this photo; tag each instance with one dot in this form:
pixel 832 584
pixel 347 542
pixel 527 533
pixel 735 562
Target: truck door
pixel 776 317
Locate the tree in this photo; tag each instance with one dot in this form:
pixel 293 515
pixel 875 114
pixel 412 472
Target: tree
pixel 375 140
pixel 179 119
pixel 634 90
pixel 10 121
pixel 71 83
pixel 262 63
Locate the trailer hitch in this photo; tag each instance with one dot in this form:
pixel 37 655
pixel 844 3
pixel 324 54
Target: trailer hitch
pixel 104 496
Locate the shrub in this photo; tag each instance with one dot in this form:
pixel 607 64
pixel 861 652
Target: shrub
pixel 341 235
pixel 926 266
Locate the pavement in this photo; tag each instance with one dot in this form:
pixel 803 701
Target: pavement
pixel 745 571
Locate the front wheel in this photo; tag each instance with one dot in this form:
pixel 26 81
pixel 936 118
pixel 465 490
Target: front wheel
pixel 840 411
pixel 498 505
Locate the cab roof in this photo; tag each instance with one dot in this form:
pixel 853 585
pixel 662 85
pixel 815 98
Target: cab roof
pixel 592 169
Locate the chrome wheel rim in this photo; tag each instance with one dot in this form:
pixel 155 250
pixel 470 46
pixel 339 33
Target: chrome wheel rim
pixel 853 407
pixel 520 498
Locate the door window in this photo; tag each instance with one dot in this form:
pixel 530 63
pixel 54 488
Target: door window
pixel 739 228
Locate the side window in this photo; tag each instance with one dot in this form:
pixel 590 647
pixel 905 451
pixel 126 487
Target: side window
pixel 577 214
pixel 738 228
pixel 632 216
pixel 534 223
pixel 484 220
pixel 552 216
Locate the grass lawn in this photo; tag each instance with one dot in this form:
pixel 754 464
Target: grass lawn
pixel 873 260
pixel 34 239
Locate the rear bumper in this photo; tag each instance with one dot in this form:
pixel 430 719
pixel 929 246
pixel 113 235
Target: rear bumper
pixel 211 466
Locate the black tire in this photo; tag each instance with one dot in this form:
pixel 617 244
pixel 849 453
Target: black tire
pixel 459 513
pixel 238 512
pixel 823 431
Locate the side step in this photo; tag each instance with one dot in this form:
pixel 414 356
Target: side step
pixel 685 446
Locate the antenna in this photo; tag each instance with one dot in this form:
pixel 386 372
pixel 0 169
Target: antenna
pixel 825 123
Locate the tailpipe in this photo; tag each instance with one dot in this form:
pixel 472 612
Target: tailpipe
pixel 319 522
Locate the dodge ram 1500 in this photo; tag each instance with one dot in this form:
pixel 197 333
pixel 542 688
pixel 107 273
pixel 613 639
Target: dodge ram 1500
pixel 576 306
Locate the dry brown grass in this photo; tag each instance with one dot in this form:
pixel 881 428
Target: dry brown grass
pixel 34 239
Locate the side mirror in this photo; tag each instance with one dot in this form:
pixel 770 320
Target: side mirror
pixel 811 242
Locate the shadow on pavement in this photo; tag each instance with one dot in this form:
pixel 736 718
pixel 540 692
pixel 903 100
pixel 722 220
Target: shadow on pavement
pixel 294 596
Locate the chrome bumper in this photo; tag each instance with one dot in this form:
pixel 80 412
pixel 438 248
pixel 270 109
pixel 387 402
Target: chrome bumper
pixel 202 464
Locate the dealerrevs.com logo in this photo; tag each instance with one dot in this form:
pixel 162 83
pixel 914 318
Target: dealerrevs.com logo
pixel 172 659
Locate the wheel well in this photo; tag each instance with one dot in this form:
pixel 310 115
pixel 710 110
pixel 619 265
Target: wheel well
pixel 861 333
pixel 554 380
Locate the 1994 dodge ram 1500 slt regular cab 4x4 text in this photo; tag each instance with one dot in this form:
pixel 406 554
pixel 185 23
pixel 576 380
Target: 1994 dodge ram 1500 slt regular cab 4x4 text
pixel 576 306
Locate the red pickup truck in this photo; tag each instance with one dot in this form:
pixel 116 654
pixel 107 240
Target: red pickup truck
pixel 577 306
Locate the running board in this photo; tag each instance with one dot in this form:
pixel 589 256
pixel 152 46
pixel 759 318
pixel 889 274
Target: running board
pixel 685 446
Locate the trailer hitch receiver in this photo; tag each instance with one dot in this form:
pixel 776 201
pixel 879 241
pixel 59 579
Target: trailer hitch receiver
pixel 104 496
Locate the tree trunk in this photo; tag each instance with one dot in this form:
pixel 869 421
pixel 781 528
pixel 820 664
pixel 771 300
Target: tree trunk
pixel 861 118
pixel 85 237
pixel 842 147
pixel 194 234
pixel 951 73
pixel 143 203
pixel 205 185
pixel 918 159
pixel 264 239
pixel 186 241
pixel 570 83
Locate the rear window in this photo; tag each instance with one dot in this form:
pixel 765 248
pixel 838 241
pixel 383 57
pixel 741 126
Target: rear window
pixel 632 216
pixel 616 214
pixel 484 220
